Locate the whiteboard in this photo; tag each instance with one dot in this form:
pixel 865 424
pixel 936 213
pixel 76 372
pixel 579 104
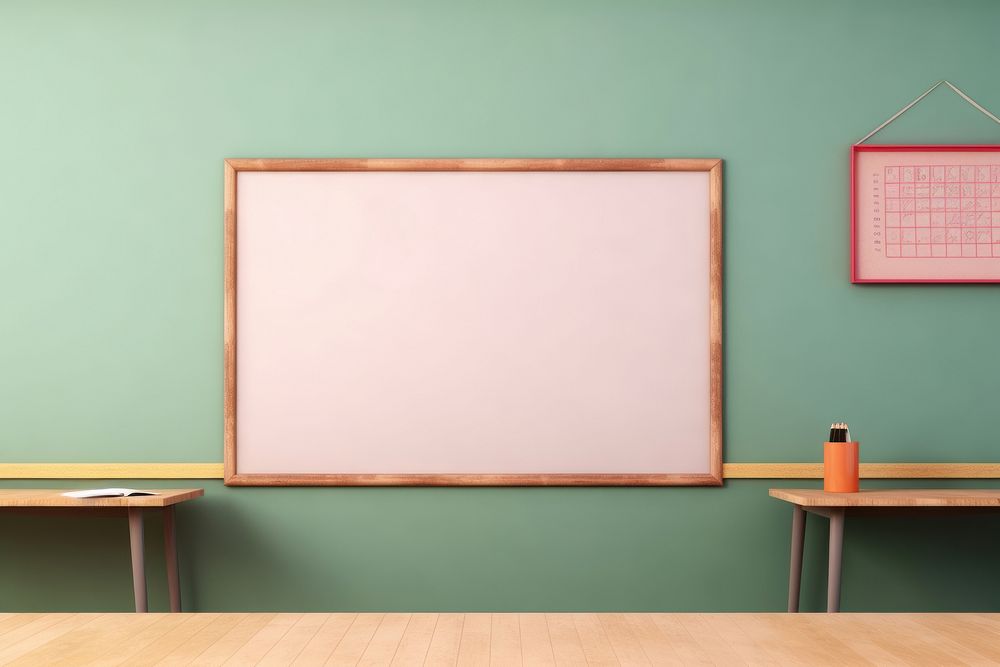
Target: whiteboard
pixel 458 322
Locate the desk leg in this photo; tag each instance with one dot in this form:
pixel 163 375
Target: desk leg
pixel 836 559
pixel 170 545
pixel 795 569
pixel 138 561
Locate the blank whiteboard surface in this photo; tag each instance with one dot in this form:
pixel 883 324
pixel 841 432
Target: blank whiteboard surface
pixel 472 322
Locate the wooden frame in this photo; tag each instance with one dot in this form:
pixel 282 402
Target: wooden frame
pixel 855 234
pixel 713 167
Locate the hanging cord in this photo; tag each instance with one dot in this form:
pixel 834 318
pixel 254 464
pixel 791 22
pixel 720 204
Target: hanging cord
pixel 927 92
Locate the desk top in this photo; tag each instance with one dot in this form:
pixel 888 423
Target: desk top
pixel 891 498
pixel 54 498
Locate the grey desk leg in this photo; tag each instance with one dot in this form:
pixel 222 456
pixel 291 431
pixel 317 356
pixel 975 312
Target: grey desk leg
pixel 795 569
pixel 170 546
pixel 138 560
pixel 836 560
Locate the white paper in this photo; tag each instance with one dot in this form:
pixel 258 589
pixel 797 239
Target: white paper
pixel 108 493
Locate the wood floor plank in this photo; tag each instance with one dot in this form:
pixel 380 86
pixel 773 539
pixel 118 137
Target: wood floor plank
pixel 904 648
pixel 536 645
pixel 129 652
pixel 930 645
pixel 38 639
pixel 989 620
pixel 839 625
pixel 788 650
pixel 989 624
pixel 355 640
pixel 791 638
pixel 175 634
pixel 86 643
pixel 384 642
pixel 416 640
pixel 475 647
pixel 323 643
pixel 597 648
pixel 197 644
pixel 501 639
pixel 567 648
pixel 291 644
pixel 446 640
pixel 36 625
pixel 659 648
pixel 14 621
pixel 724 626
pixel 826 638
pixel 965 629
pixel 716 649
pixel 505 639
pixel 225 646
pixel 623 641
pixel 941 636
pixel 257 646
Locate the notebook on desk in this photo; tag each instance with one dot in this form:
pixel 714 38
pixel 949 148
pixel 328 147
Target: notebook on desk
pixel 108 493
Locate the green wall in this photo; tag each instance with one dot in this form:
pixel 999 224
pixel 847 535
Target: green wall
pixel 114 121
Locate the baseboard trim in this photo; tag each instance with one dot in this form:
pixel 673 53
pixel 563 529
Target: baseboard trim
pixel 110 470
pixel 868 470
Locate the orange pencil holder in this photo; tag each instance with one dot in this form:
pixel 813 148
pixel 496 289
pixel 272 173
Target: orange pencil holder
pixel 840 467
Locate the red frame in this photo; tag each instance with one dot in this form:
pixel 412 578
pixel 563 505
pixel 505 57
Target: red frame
pixel 905 148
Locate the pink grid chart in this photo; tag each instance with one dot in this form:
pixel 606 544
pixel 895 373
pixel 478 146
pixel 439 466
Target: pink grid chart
pixel 942 211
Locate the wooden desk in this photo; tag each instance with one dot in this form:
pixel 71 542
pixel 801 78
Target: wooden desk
pixel 501 639
pixel 836 506
pixel 52 500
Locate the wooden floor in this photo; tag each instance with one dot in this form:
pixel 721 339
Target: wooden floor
pixel 499 639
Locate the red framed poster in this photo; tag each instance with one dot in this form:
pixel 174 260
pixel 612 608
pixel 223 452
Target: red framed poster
pixel 925 214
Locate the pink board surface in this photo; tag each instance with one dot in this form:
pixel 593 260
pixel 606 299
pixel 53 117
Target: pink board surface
pixel 926 214
pixel 472 322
